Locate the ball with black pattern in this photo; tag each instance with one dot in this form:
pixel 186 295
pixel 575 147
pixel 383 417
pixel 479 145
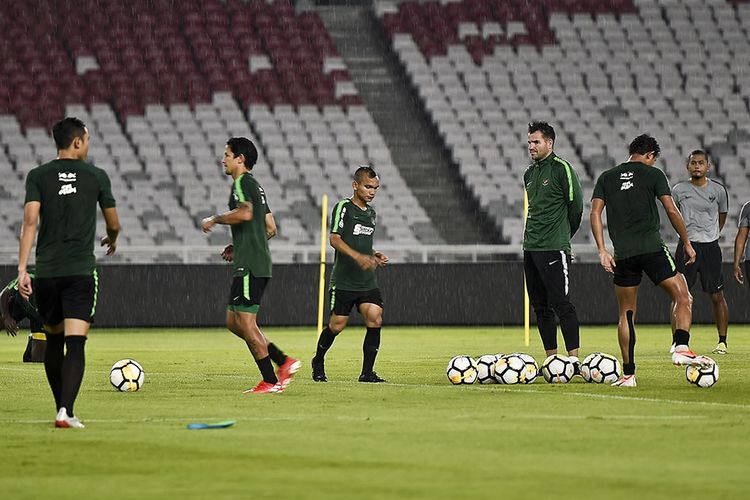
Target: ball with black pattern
pixel 127 375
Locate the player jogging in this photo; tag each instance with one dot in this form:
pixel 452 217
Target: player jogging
pixel 62 196
pixel 14 309
pixel 629 191
pixel 741 249
pixel 704 203
pixel 252 225
pixel 353 282
pixel 554 216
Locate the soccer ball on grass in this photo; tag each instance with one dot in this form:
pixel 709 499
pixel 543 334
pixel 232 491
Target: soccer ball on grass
pixel 703 376
pixel 486 369
pixel 600 368
pixel 461 370
pixel 557 369
pixel 126 375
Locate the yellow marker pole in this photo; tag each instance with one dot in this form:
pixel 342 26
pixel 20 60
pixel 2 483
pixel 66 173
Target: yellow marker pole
pixel 526 319
pixel 322 287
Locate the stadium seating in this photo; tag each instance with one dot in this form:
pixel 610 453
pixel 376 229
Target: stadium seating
pixel 164 87
pixel 602 72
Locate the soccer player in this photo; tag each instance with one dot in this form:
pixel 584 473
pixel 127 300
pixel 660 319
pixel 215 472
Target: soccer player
pixel 554 216
pixel 704 203
pixel 62 195
pixel 353 282
pixel 13 309
pixel 629 191
pixel 741 249
pixel 252 225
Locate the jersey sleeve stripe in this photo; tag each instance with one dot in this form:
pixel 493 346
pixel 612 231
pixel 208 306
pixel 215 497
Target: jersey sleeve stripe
pixel 726 193
pixel 569 174
pixel 337 215
pixel 238 189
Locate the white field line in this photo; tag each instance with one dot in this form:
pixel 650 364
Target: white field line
pixel 491 387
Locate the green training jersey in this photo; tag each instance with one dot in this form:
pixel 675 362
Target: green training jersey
pixel 356 227
pixel 629 191
pixel 251 253
pixel 68 191
pixel 555 204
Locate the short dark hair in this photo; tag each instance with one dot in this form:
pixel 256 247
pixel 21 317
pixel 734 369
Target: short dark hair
pixel 66 130
pixel 698 152
pixel 545 128
pixel 245 147
pixel 364 171
pixel 644 144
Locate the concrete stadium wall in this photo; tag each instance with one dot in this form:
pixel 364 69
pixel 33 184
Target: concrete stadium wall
pixel 414 294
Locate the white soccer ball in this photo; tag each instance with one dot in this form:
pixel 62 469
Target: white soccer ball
pixel 586 366
pixel 532 369
pixel 510 369
pixel 486 369
pixel 605 369
pixel 126 375
pixel 461 370
pixel 703 376
pixel 557 369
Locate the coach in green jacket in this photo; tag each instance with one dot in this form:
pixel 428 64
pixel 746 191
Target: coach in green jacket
pixel 554 215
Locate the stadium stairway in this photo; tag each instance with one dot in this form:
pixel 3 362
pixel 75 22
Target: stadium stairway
pixel 384 89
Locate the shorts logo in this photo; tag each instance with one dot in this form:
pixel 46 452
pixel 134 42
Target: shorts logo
pixel 66 189
pixel 360 229
pixel 626 176
pixel 626 185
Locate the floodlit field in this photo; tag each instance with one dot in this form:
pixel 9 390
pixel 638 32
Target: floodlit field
pixel 415 437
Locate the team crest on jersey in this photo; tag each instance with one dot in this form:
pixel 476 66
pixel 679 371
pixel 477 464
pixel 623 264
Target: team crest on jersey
pixel 66 176
pixel 545 182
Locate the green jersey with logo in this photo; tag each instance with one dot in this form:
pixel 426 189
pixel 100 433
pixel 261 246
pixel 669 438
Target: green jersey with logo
pixel 629 192
pixel 251 253
pixel 356 227
pixel 555 204
pixel 69 192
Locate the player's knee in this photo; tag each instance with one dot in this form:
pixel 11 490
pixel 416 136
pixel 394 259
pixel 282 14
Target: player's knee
pixel 375 322
pixel 336 327
pixel 717 298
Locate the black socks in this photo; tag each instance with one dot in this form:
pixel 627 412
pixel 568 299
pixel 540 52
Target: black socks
pixel 681 337
pixel 53 362
pixel 325 341
pixel 266 370
pixel 370 349
pixel 276 355
pixel 72 371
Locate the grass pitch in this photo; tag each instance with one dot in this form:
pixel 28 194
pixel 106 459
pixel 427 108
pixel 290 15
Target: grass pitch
pixel 415 437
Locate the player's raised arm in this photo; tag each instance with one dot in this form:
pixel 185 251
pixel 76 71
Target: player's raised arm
pixel 243 213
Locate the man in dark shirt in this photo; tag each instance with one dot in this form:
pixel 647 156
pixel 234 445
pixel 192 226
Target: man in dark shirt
pixel 353 281
pixel 629 191
pixel 63 196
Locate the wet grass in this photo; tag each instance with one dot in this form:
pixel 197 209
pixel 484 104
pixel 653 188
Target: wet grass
pixel 415 437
